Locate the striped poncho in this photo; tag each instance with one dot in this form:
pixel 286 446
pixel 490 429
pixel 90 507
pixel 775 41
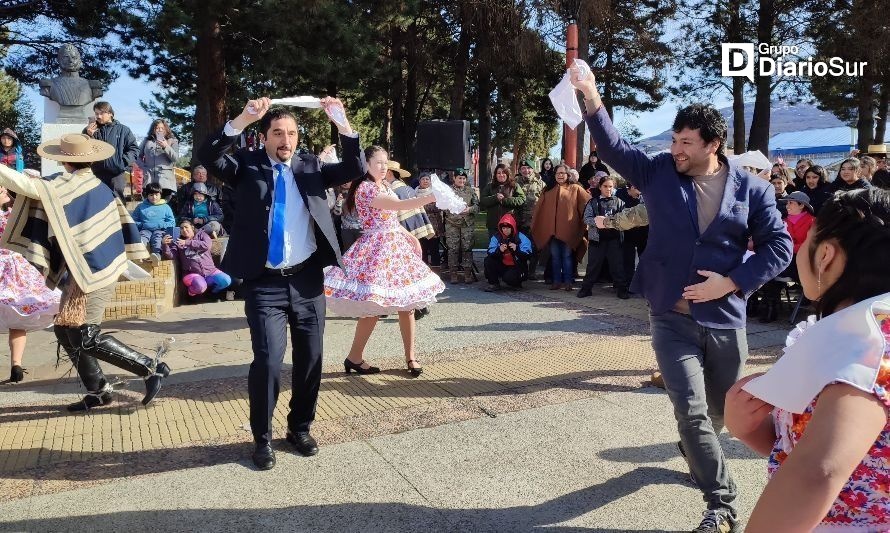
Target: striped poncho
pixel 77 225
pixel 416 221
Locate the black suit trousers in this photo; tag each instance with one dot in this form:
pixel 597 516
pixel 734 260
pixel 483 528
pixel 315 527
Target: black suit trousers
pixel 272 303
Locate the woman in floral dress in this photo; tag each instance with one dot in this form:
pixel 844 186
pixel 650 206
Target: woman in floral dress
pixel 384 271
pixel 26 303
pixel 821 412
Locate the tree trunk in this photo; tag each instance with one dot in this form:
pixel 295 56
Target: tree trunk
pixel 410 112
pixel 486 87
pixel 210 101
pixel 738 82
pixel 461 65
pixel 881 127
pixel 759 136
pixel 397 147
pixel 335 135
pixel 865 123
pixel 738 114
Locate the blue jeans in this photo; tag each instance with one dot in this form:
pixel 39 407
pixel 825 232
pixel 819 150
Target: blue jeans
pixel 563 261
pixel 153 239
pixel 699 365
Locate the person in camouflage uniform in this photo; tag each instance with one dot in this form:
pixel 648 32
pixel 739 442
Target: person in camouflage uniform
pixel 459 229
pixel 533 186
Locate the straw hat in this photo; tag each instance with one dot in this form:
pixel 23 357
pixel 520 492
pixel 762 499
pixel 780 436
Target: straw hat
pixel 877 149
pixel 397 169
pixel 76 148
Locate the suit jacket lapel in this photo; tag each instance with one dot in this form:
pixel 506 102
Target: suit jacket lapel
pixel 296 166
pixel 688 190
pixel 269 175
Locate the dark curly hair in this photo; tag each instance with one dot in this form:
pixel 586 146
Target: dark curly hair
pixel 859 221
pixel 274 114
pixel 706 119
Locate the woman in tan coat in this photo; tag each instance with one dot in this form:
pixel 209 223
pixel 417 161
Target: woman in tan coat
pixel 558 224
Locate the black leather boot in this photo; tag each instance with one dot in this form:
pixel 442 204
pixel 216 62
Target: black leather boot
pixel 99 390
pixel 153 382
pixel 107 348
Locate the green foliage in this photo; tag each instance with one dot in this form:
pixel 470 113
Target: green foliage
pixel 16 113
pixel 33 31
pixel 629 54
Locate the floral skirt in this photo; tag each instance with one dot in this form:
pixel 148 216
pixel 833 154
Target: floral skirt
pixel 25 301
pixel 384 275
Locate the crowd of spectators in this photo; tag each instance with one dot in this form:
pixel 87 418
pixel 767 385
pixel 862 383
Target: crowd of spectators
pixel 551 209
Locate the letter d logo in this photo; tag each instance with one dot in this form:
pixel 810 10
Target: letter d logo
pixel 738 60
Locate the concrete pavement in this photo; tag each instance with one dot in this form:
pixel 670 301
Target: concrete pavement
pixel 532 413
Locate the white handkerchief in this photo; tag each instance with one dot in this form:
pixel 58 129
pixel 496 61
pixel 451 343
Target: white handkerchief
pixel 445 197
pixel 566 103
pixel 564 100
pixel 845 347
pixel 298 101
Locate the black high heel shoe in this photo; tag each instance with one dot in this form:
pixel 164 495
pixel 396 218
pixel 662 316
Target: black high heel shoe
pixel 348 366
pixel 17 374
pixel 415 371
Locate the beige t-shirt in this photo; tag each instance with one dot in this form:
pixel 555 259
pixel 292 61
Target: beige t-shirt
pixel 708 195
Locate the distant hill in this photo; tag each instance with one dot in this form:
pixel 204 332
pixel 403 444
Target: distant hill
pixel 783 117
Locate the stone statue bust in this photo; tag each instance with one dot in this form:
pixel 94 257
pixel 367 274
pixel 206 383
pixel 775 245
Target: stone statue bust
pixel 73 93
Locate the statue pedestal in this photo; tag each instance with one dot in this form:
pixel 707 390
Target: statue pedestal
pixel 54 131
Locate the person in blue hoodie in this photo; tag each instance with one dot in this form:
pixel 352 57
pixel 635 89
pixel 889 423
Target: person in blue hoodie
pixel 154 218
pixel 508 253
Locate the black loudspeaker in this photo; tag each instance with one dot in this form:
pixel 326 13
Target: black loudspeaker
pixel 443 144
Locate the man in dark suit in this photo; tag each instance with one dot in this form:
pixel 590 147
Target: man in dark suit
pixel 282 238
pixel 702 210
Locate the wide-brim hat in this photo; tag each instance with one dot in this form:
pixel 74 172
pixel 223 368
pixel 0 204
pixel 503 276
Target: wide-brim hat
pixel 75 148
pixel 877 149
pixel 801 198
pixel 397 169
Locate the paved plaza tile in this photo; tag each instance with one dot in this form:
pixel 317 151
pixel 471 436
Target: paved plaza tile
pixel 510 356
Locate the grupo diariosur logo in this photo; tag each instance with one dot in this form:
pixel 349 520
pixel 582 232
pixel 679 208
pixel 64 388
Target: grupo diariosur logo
pixel 738 60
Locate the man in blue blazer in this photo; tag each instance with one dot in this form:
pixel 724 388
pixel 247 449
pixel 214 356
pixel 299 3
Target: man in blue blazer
pixel 702 211
pixel 282 238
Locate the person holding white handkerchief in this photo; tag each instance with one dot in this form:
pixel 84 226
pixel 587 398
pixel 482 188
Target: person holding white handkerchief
pixel 821 412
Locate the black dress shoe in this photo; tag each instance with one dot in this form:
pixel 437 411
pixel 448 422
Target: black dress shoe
pixel 89 401
pixel 303 442
pixel 264 457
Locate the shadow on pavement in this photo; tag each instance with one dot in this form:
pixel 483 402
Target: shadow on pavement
pixel 185 326
pixel 467 387
pixel 364 517
pixel 665 451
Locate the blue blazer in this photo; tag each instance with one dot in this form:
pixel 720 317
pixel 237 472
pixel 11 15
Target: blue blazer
pixel 250 174
pixel 677 247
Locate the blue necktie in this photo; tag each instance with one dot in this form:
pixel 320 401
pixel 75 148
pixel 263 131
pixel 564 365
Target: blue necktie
pixel 276 236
